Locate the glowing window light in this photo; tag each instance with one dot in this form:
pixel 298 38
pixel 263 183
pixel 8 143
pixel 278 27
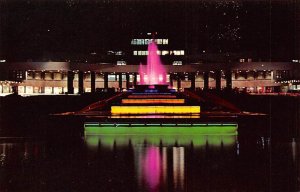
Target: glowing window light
pixel 154 109
pixel 152 101
pixel 165 52
pixel 151 96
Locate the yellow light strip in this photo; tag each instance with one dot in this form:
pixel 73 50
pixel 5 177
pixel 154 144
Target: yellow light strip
pixel 154 109
pixel 151 96
pixel 153 101
pixel 155 116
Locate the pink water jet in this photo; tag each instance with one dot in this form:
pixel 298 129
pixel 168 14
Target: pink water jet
pixel 154 72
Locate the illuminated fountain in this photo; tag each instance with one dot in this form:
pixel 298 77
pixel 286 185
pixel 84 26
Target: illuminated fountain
pixel 151 109
pixel 154 72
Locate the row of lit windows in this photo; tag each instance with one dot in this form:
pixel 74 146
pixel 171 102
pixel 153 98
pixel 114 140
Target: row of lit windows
pixel 115 77
pixel 163 52
pixel 147 41
pixel 121 62
pixel 177 62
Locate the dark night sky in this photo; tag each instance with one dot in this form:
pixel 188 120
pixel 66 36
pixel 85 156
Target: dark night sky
pixel 39 29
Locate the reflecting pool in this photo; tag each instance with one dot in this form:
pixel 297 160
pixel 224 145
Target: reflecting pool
pixel 149 163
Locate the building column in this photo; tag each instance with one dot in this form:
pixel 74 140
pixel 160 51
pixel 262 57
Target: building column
pixel 171 79
pixel 33 74
pixel 43 75
pixel 93 81
pixel 43 89
pixel 228 77
pixel 127 81
pixel 120 81
pixel 178 81
pixel 14 89
pixel 52 75
pixel 134 79
pixel 80 82
pixel 193 79
pixel 70 82
pixel 105 80
pixel 205 78
pixel 218 80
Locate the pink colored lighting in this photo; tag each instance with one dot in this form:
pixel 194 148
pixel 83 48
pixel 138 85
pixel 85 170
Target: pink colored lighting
pixel 154 72
pixel 152 167
pixel 151 96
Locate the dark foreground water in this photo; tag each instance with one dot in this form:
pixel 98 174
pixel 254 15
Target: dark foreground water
pixel 264 157
pixel 210 163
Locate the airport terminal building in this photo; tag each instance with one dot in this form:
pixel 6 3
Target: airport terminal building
pixel 118 70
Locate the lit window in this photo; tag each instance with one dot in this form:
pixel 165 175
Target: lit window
pixel 177 62
pixel 133 41
pixel 112 77
pixel 164 52
pixel 178 52
pixel 165 41
pixel 181 52
pixel 147 41
pixel 139 42
pixel 168 78
pixel 158 52
pixel 131 78
pixel 135 52
pixel 119 53
pixel 159 41
pixel 121 62
pixel 139 52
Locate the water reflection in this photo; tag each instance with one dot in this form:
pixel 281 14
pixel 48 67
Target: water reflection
pixel 154 163
pixel 178 168
pixel 151 167
pixel 160 161
pixel 110 141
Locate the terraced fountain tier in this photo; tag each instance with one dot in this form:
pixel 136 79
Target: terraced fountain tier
pixel 153 101
pixel 152 108
pixel 131 114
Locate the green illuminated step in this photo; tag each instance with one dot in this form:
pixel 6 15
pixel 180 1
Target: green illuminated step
pixel 160 129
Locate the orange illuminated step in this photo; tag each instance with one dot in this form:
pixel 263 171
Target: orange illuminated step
pixel 154 109
pixel 151 96
pixel 152 101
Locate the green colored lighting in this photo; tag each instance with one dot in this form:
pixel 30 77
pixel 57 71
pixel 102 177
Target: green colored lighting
pixel 165 129
pixel 156 134
pixel 92 141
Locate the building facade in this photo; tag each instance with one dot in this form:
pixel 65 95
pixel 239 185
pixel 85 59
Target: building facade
pixel 64 77
pixel 121 73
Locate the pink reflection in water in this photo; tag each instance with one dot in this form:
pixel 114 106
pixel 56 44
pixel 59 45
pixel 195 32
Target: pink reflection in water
pixel 154 72
pixel 152 167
